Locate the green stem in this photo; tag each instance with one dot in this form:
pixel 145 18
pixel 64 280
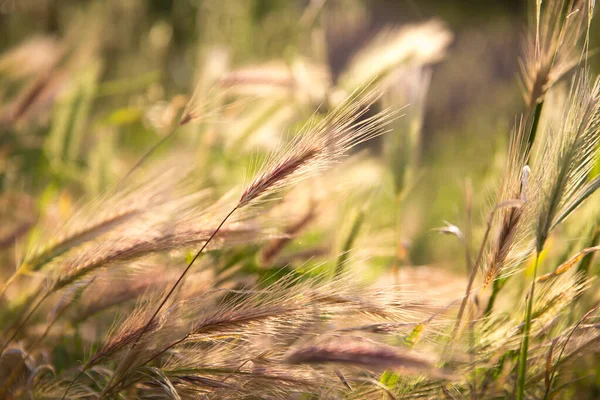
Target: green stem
pixel 497 286
pixel 398 237
pixel 537 113
pixel 356 225
pixel 522 370
pixel 472 276
pixel 148 153
pixel 586 261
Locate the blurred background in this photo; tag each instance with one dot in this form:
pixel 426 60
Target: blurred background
pixel 89 87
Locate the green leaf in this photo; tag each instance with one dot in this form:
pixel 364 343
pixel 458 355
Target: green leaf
pixel 579 198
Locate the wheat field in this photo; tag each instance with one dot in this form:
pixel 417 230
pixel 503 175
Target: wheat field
pixel 205 200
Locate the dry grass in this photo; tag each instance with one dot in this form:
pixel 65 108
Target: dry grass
pixel 177 283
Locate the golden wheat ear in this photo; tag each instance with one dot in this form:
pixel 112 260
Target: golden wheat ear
pixel 357 351
pixel 557 44
pixel 569 153
pixel 319 145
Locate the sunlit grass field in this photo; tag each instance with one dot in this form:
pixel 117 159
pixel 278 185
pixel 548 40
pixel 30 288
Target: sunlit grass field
pixel 298 200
